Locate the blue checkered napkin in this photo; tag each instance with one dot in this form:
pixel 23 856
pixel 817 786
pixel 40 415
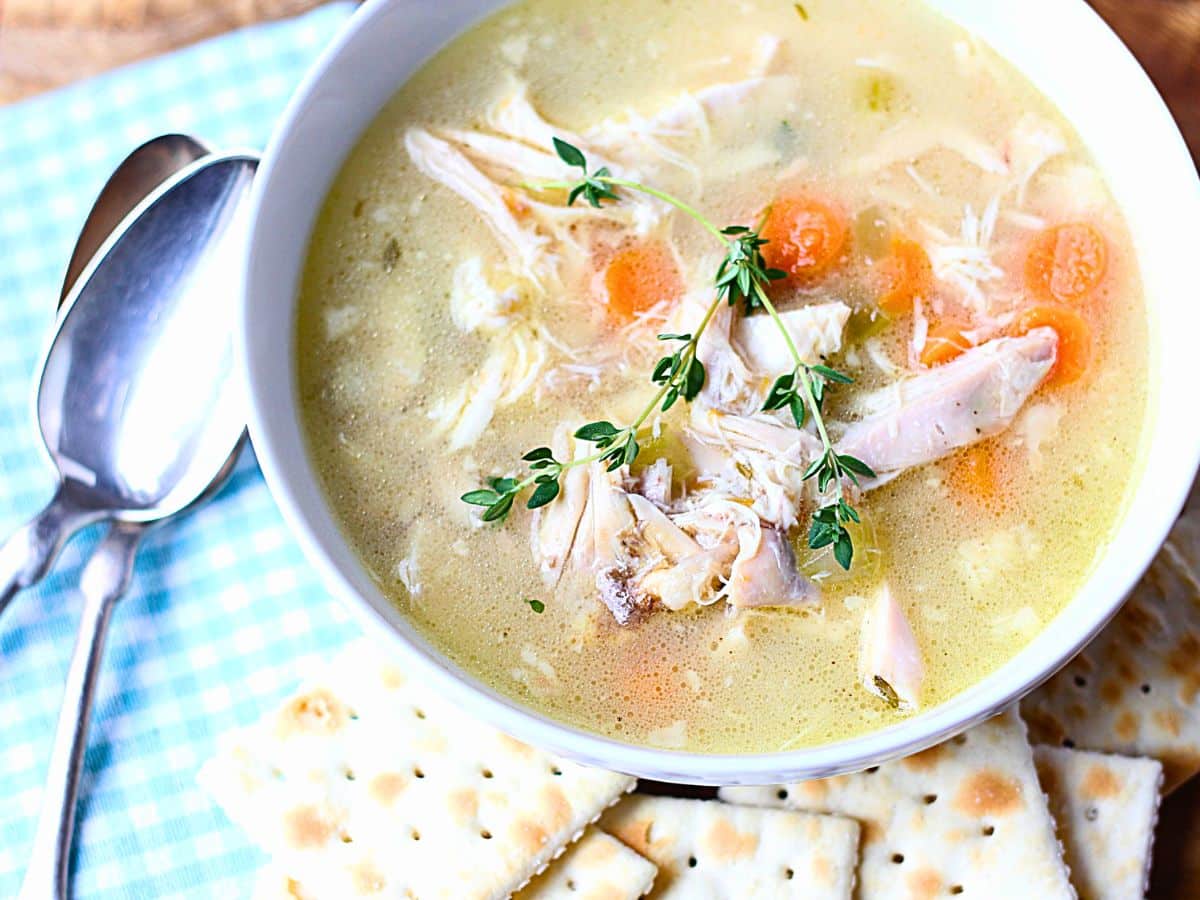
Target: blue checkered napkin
pixel 223 612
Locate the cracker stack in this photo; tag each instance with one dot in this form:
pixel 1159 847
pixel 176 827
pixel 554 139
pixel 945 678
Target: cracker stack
pixel 966 817
pixel 1135 690
pixel 1106 807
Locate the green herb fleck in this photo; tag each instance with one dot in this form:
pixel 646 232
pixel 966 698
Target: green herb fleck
pixel 391 254
pixel 536 605
pixel 801 11
pixel 889 692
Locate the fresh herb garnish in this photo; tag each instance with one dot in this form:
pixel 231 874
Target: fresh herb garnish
pixel 889 693
pixel 536 605
pixel 743 275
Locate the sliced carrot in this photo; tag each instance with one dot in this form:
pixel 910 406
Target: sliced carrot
pixel 943 343
pixel 907 273
pixel 1074 339
pixel 804 237
pixel 974 471
pixel 1066 262
pixel 639 276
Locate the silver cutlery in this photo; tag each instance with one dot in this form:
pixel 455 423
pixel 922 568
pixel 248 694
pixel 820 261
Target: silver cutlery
pixel 140 409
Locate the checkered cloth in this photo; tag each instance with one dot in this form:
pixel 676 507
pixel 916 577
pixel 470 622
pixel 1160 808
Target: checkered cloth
pixel 223 613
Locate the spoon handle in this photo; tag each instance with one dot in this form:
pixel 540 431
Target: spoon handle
pixel 105 578
pixel 26 556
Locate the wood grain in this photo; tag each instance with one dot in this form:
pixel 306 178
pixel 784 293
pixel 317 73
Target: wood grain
pixel 47 43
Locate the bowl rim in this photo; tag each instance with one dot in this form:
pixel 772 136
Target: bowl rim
pixel 275 453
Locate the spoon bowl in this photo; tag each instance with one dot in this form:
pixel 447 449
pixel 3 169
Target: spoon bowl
pixel 138 402
pixel 138 175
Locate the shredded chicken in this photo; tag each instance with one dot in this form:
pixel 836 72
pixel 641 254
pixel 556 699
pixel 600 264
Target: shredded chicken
pixel 966 400
pixel 512 367
pixel 475 304
pixel 524 247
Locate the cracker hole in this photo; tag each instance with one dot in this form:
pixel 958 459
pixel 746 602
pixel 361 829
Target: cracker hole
pixel 1145 688
pixel 781 794
pixel 872 770
pixel 485 834
pixel 692 862
pixel 930 799
pixel 570 884
pixel 789 874
pixel 1080 681
pixel 487 773
pixel 957 889
pixel 1068 743
pixel 989 830
pixel 1091 814
pixel 897 858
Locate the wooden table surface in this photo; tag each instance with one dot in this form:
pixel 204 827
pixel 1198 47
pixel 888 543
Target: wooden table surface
pixel 45 43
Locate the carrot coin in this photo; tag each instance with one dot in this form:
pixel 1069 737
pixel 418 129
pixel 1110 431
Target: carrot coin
pixel 638 277
pixel 804 236
pixel 908 275
pixel 1066 262
pixel 1074 339
pixel 943 343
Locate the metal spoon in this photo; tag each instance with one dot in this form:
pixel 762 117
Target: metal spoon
pixel 138 175
pixel 193 221
pixel 108 572
pixel 142 358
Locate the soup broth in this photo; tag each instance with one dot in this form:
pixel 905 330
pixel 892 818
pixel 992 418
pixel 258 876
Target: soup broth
pixel 933 212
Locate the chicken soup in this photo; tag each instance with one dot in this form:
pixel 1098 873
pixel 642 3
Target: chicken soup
pixel 729 377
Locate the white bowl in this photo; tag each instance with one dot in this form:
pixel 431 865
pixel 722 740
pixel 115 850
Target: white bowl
pixel 1092 78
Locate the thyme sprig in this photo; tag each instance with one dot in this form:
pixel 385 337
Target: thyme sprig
pixel 743 275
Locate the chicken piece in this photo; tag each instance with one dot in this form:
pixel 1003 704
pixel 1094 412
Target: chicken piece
pixel 890 663
pixel 606 522
pixel 911 140
pixel 540 163
pixel 966 400
pixel 729 384
pixel 681 571
pixel 717 113
pixel 815 330
pixel 525 248
pixel 655 483
pixel 756 458
pixel 475 304
pixel 556 526
pixel 601 544
pixel 1031 144
pixel 765 573
pixel 513 365
pixel 641 557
